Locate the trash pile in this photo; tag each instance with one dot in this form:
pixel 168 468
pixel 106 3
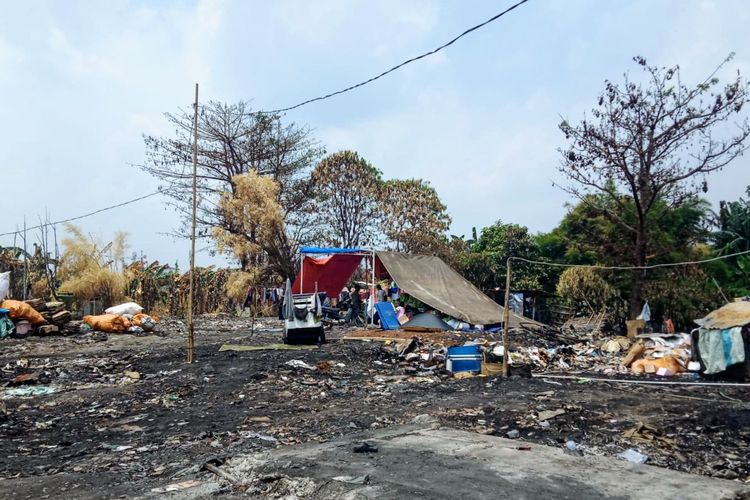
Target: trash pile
pixel 20 319
pixel 425 356
pixel 463 354
pixel 35 317
pixel 127 317
pixel 654 353
pixel 661 354
pixel 416 354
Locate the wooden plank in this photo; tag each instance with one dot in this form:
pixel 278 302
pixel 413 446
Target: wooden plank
pixel 47 330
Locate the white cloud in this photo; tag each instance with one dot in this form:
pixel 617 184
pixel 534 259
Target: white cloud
pixel 479 120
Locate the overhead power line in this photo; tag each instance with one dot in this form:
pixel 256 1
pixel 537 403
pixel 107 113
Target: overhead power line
pixel 631 268
pixel 398 66
pixel 84 215
pixel 308 101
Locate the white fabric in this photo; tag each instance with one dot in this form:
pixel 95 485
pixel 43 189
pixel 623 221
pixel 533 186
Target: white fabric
pixel 4 285
pixel 645 313
pixel 126 308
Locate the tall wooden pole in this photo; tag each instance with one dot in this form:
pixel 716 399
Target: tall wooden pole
pixel 191 331
pixel 506 323
pixel 25 262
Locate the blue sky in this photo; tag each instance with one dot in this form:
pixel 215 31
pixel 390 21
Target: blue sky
pixel 82 81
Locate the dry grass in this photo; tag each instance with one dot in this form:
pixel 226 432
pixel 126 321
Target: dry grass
pixel 92 270
pixel 238 283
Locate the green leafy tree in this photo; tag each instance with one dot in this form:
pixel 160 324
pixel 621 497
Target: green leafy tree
pixel 733 236
pixel 484 264
pixel 414 219
pixel 587 236
pixel 348 188
pixel 585 286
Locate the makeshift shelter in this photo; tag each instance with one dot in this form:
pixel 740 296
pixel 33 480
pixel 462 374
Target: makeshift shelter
pixel 426 322
pixel 426 278
pixel 727 316
pixel 432 281
pixel 329 273
pixel 724 338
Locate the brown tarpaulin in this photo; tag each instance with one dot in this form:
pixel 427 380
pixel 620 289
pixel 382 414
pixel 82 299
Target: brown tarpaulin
pixel 433 282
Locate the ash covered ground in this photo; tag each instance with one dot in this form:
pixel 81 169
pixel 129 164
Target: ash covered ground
pixel 128 414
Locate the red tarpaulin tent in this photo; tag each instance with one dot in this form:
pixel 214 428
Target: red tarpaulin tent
pixel 330 274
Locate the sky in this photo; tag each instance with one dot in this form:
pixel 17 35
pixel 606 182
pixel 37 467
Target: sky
pixel 82 81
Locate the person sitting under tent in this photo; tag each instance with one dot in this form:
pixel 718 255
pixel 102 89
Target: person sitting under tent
pixel 355 306
pixel 344 298
pixel 381 294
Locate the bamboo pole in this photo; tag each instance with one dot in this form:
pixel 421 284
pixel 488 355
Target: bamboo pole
pixel 25 262
pixel 190 326
pixel 506 322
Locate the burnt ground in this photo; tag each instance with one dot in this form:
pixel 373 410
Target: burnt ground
pixel 104 433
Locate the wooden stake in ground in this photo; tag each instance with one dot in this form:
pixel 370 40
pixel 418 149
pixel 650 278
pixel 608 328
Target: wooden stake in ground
pixel 191 334
pixel 25 262
pixel 506 322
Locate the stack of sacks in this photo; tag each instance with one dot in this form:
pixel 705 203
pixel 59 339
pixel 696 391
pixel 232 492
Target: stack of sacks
pixel 110 323
pixel 665 366
pixel 127 317
pixel 145 321
pixel 21 310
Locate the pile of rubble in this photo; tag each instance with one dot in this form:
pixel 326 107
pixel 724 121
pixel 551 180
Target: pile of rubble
pixel 428 353
pixel 653 353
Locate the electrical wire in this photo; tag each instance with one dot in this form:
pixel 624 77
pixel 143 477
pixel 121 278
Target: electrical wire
pixel 639 382
pixel 631 268
pixel 398 66
pixel 282 110
pixel 39 226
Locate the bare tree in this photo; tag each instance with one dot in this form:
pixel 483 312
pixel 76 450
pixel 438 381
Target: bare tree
pixel 233 140
pixel 653 140
pixel 47 263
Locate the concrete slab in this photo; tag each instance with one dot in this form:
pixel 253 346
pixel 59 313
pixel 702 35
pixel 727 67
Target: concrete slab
pixel 420 462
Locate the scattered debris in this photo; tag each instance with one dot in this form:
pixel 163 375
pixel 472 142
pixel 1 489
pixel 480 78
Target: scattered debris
pixel 548 414
pixel 261 420
pixel 353 480
pixel 266 347
pixel 298 363
pixel 571 448
pixel 172 421
pixel 365 447
pixel 26 378
pixel 324 366
pixel 646 433
pixel 177 486
pixel 26 392
pixel 633 456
